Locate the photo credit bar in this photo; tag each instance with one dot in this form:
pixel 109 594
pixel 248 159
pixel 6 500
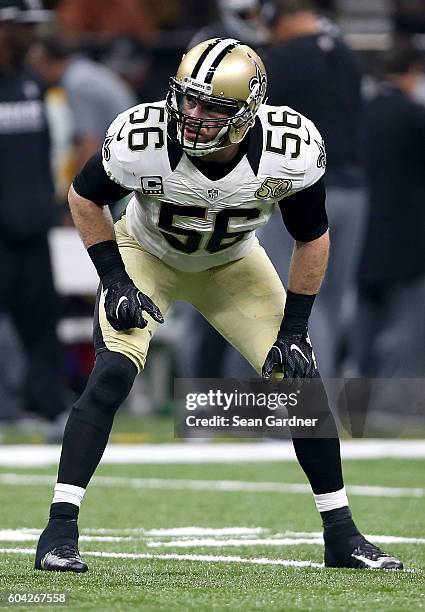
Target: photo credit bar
pixel 208 408
pixel 361 408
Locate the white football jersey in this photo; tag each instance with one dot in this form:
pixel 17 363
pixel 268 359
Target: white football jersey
pixel 192 222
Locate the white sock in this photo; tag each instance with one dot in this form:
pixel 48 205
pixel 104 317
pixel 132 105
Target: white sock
pixel 331 501
pixel 67 493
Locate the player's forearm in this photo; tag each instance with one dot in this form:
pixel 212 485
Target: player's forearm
pixel 96 229
pixel 93 222
pixel 308 265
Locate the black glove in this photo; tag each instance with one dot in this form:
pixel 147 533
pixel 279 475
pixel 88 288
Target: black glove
pixel 292 355
pixel 124 302
pixel 124 306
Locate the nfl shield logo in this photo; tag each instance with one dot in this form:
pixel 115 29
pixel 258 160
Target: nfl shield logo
pixel 212 194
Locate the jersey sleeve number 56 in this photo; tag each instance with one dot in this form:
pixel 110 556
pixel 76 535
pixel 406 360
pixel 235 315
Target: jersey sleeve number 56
pixel 138 138
pixel 288 140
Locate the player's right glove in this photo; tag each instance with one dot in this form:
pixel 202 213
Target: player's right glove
pixel 124 306
pixel 124 302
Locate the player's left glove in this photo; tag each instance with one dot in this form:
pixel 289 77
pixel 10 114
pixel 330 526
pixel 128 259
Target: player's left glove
pixel 292 355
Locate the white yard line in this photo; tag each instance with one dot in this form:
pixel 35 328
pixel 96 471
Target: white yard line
pixel 184 541
pixel 374 491
pixel 235 542
pixel 195 452
pixel 381 539
pixel 177 557
pixel 184 531
pixel 210 542
pixel 201 558
pixel 23 535
pixel 208 558
pixel 212 485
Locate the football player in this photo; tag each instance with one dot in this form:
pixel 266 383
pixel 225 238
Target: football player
pixel 207 166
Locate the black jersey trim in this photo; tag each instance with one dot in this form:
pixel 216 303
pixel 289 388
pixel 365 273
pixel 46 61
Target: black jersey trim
pixel 255 146
pixel 174 150
pixel 92 183
pixel 304 212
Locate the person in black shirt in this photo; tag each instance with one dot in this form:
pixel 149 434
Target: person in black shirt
pixel 26 214
pixel 311 69
pixel 245 20
pixel 390 330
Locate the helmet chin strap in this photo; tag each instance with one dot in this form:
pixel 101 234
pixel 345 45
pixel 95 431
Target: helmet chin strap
pixel 200 151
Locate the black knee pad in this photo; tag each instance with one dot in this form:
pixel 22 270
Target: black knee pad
pixel 109 384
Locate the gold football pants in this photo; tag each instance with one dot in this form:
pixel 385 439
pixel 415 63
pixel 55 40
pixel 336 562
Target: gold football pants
pixel 243 300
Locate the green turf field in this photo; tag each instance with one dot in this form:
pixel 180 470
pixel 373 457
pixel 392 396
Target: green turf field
pixel 228 569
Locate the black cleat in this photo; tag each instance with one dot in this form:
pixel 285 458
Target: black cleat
pixel 57 548
pixel 364 556
pixel 64 558
pixel 369 556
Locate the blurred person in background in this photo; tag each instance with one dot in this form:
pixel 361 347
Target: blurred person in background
pixel 312 70
pixel 107 20
pixel 95 93
pixel 27 211
pixel 390 326
pixel 245 20
pixel 409 16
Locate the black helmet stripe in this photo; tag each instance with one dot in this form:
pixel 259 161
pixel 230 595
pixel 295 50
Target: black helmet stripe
pixel 202 57
pixel 216 62
pixel 212 58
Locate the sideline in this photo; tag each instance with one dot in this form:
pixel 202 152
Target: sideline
pixel 204 452
pixel 224 486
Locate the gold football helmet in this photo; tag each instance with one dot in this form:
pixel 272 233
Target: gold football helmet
pixel 223 73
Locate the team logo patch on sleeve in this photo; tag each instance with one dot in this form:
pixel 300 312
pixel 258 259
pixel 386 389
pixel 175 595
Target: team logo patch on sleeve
pixel 273 188
pixel 152 185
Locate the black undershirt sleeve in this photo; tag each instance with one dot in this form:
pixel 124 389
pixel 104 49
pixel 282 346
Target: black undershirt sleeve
pixel 304 213
pixel 95 185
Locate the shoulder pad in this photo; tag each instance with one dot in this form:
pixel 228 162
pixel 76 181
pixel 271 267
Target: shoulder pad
pixel 128 136
pixel 293 148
